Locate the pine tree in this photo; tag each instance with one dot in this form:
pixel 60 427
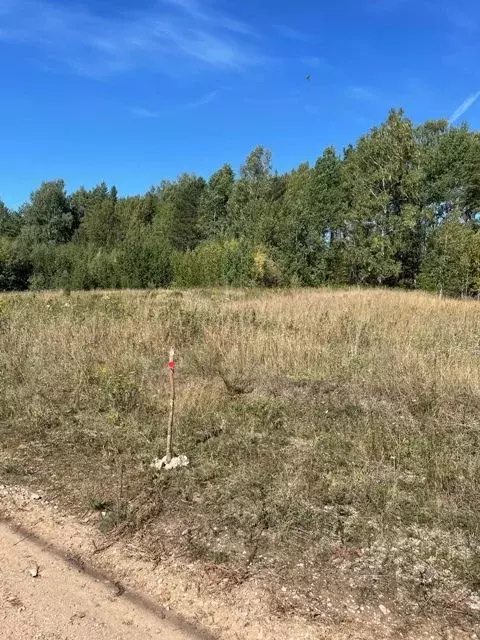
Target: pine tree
pixel 183 199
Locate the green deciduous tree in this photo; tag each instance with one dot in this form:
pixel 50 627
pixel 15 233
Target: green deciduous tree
pixel 50 216
pixel 10 223
pixel 383 182
pixel 452 261
pixel 213 222
pixel 251 195
pixel 101 223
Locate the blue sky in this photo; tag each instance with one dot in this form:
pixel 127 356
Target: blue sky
pixel 134 92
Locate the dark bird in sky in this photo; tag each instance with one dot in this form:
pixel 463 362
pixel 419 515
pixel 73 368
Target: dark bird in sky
pixel 309 77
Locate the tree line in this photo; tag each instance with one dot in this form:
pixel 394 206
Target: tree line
pixel 399 208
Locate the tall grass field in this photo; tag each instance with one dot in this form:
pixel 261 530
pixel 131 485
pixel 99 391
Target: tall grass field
pixel 333 436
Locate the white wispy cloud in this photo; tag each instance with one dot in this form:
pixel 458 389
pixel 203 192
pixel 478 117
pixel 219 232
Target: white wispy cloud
pixel 141 112
pixel 464 107
pixel 291 33
pixel 194 9
pixel 191 6
pixel 204 100
pixel 168 37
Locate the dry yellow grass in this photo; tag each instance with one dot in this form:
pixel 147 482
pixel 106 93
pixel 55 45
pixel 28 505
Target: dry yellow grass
pixel 352 459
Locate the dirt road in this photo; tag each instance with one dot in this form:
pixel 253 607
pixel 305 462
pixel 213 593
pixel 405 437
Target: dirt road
pixel 44 596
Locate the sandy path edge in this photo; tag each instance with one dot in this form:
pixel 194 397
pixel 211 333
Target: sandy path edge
pixel 47 593
pixel 120 593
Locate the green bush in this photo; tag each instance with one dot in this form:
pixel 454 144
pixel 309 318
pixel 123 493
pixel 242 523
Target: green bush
pixel 239 265
pixel 201 267
pixel 214 264
pixel 452 262
pixel 14 273
pixel 75 267
pixel 146 259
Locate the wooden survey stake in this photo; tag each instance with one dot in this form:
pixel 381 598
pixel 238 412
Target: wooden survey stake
pixel 171 366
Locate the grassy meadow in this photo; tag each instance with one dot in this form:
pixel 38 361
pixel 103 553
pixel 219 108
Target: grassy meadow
pixel 333 436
